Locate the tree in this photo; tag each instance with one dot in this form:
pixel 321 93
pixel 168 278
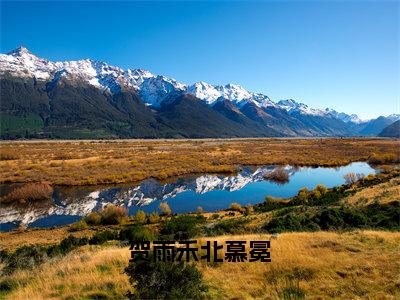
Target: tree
pixel 165 280
pixel 165 209
pixel 140 217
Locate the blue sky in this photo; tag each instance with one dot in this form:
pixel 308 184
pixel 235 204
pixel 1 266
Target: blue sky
pixel 343 55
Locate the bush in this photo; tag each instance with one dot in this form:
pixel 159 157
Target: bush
pixel 165 209
pixel 351 178
pixel 80 225
pixel 136 233
pixel 231 226
pixel 236 207
pixel 377 216
pixel 322 189
pixel 140 217
pixel 249 209
pixel 27 257
pixel 7 285
pixel 214 216
pixel 165 280
pixel 103 236
pixel 112 215
pixel 302 196
pixel 182 227
pixel 154 218
pixel 29 192
pixel 271 203
pixel 279 175
pixel 70 243
pixel 93 218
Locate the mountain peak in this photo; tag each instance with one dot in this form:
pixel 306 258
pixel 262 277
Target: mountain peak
pixel 21 50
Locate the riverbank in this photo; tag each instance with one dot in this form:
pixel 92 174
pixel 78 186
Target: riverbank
pixel 332 243
pixel 127 161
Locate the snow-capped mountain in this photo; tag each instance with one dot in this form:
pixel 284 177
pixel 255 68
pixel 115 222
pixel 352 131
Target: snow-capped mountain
pixel 291 106
pixel 154 89
pixel 129 103
pixel 233 92
pixel 353 118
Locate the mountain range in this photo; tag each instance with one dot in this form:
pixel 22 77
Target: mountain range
pixel 92 99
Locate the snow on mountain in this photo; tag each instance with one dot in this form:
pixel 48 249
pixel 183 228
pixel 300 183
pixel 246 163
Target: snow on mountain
pixel 152 88
pixel 353 118
pixel 204 91
pixel 233 92
pixel 292 106
pixel 22 63
pixel 393 117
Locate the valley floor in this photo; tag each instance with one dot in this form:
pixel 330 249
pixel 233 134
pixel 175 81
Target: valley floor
pixel 123 161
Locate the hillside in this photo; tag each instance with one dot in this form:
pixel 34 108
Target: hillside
pixel 393 130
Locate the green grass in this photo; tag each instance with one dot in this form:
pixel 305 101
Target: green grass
pixel 20 125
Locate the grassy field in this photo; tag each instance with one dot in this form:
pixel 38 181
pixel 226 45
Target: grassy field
pixel 121 161
pixel 359 264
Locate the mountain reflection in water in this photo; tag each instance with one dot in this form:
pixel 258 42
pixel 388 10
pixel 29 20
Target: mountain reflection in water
pixel 211 192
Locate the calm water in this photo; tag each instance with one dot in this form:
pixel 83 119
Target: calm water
pixel 211 192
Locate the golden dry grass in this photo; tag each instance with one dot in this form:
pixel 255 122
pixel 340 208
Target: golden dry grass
pixel 101 162
pixel 89 272
pixel 11 240
pixel 383 193
pixel 360 264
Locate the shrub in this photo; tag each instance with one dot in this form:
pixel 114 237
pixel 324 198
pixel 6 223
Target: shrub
pixel 279 175
pixel 249 209
pixel 214 216
pixel 378 216
pixel 7 285
pixel 351 178
pixel 140 217
pixel 103 236
pixel 322 189
pixel 29 192
pixel 165 280
pixel 154 218
pixel 80 225
pixel 136 233
pixel 236 207
pixel 271 203
pixel 112 215
pixel 231 226
pixel 302 196
pixel 182 227
pixel 93 218
pixel 165 209
pixel 27 257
